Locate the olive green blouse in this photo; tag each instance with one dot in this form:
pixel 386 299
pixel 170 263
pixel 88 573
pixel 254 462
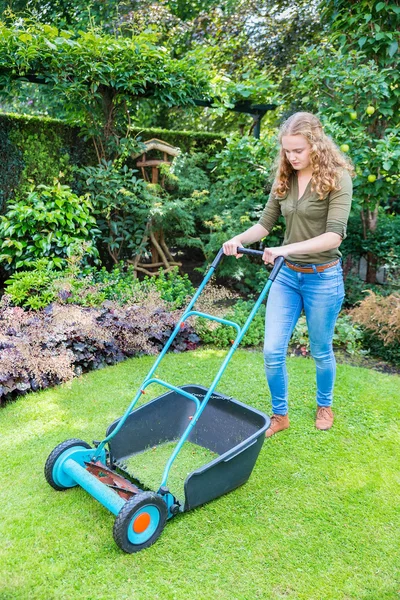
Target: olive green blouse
pixel 308 216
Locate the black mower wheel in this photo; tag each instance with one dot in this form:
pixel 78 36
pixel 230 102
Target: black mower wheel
pixel 140 522
pixel 55 455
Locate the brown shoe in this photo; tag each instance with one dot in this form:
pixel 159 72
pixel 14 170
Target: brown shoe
pixel 278 423
pixel 324 418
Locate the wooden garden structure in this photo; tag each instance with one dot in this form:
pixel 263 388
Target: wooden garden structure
pixel 150 168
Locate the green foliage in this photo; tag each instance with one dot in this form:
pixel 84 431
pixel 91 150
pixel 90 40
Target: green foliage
pixel 383 243
pixel 188 141
pixel 173 287
pixel 36 149
pixel 234 200
pixel 118 285
pixel 190 172
pixel 11 164
pixel 76 14
pixel 127 208
pixel 32 99
pixel 32 289
pixel 358 103
pixel 121 204
pixel 44 158
pixel 371 26
pixel 386 352
pixel 121 285
pixel 242 171
pixel 356 289
pixel 221 336
pixel 256 87
pixel 347 335
pixel 98 76
pixel 49 222
pixel 91 287
pixel 335 85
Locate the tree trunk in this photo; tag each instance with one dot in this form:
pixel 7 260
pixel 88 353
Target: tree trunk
pixel 369 219
pixel 372 264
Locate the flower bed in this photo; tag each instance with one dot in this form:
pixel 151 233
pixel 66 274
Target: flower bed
pixel 47 347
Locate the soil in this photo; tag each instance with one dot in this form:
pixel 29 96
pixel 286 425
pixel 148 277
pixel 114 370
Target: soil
pixel 367 362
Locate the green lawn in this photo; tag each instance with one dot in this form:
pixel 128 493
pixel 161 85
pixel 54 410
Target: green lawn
pixel 318 519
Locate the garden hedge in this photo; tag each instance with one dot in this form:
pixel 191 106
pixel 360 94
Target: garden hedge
pixel 35 149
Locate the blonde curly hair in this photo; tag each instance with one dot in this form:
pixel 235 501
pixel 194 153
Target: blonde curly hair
pixel 326 159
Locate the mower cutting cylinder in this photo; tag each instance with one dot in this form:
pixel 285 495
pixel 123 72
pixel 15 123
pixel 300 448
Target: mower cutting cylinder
pixel 105 495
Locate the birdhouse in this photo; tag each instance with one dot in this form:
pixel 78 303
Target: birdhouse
pixel 157 153
pixel 155 148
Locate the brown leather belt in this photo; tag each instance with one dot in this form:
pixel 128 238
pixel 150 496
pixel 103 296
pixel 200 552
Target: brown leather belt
pixel 319 268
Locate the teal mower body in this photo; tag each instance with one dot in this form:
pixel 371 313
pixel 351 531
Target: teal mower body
pixel 191 413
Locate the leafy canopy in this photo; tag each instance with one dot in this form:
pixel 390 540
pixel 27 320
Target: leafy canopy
pixel 97 76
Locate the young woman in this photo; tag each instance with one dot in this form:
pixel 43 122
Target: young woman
pixel 312 190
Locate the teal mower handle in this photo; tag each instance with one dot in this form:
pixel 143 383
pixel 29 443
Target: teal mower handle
pixel 240 332
pixel 278 262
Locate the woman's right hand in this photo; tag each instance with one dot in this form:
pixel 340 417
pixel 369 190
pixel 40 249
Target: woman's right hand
pixel 230 247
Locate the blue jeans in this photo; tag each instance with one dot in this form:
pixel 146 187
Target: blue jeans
pixel 320 295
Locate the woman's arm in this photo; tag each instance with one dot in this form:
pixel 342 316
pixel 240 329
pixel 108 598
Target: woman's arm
pixel 251 235
pixel 320 243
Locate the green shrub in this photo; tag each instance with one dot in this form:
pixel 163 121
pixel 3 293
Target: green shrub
pixel 122 286
pixel 173 287
pixel 32 289
pixel 347 334
pixel 227 195
pixel 49 222
pixel 44 158
pixel 35 150
pixel 376 347
pixel 12 164
pixel 356 289
pixel 383 243
pixel 121 204
pixel 90 287
pixel 222 335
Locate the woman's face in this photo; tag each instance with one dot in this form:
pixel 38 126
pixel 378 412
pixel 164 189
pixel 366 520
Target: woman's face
pixel 297 150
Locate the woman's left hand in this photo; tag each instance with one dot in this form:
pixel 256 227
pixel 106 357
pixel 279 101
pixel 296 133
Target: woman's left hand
pixel 270 254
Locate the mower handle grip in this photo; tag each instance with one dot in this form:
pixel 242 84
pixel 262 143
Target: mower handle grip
pixel 278 262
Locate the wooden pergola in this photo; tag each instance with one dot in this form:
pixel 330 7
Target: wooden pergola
pixel 257 111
